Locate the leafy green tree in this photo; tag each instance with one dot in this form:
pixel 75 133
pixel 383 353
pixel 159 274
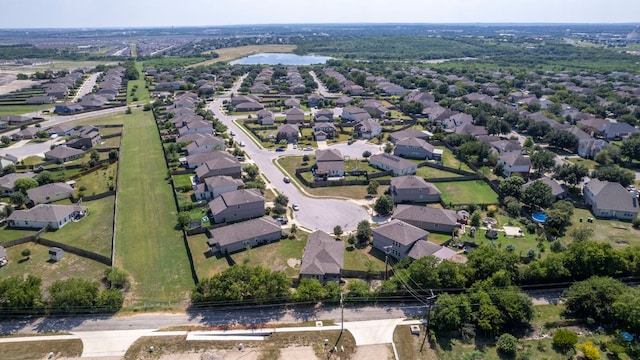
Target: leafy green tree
pixel 18 198
pixel 309 290
pixel 184 218
pixel 571 173
pixel 485 315
pixel 450 312
pixel 18 294
pixel 543 160
pixel 388 148
pixel 94 156
pixel 562 140
pixel 281 200
pixel 476 218
pixel 252 171
pixel 384 205
pixel 44 177
pixel 507 344
pixel 5 140
pixel 588 258
pixel 626 310
pixel 631 148
pixel 528 143
pixel 366 154
pixel 511 186
pixel 372 188
pixel 452 275
pixel 358 288
pixel 337 230
pixel 117 278
pixel 113 154
pixel 109 300
pixel 581 233
pixel 537 194
pixel 8 169
pixel 24 184
pixel 26 253
pixel 565 338
pixel 487 260
pixel 589 350
pixel 73 296
pixel 593 298
pixel 364 232
pixel 615 173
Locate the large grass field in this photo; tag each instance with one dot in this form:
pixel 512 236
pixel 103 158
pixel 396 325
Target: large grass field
pixel 71 266
pixel 22 109
pixel 467 192
pixel 148 246
pixel 232 53
pixel 617 233
pixel 92 233
pixel 141 94
pixel 450 160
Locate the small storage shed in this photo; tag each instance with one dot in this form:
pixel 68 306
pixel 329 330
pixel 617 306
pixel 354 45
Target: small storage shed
pixel 56 254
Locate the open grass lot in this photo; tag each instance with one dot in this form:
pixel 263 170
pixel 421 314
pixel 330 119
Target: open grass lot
pixel 590 164
pixel 113 142
pixel 98 181
pixel 148 246
pixel 22 109
pixel 367 259
pixel 40 349
pixel 39 265
pixel 8 234
pixel 467 192
pixel 430 173
pixel 232 53
pixel 283 255
pixel 408 345
pixel 92 233
pixel 183 180
pixel 275 346
pixel 450 160
pixel 617 233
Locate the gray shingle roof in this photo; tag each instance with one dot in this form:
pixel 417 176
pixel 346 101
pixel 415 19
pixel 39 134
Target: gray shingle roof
pixel 322 255
pixel 413 182
pixel 42 194
pixel 612 196
pixel 401 232
pixel 45 212
pixel 241 231
pixel 423 213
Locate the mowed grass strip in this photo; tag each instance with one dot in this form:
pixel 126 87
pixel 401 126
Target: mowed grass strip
pixel 467 192
pixel 232 53
pixel 148 246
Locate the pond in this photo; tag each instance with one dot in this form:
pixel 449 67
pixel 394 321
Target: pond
pixel 280 58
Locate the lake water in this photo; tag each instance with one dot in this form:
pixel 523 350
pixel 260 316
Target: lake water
pixel 280 58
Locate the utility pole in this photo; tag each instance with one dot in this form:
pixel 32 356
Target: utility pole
pixel 430 299
pixel 342 312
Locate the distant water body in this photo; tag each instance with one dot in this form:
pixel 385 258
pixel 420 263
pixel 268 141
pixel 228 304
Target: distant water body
pixel 280 59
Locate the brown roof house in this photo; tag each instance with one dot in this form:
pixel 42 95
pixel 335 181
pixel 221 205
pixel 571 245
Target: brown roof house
pixel 243 235
pixel 323 115
pixel 324 131
pixel 323 258
pixel 413 189
pixel 426 218
pixel 205 144
pixel 220 164
pixel 63 154
pixel 290 132
pixel 265 117
pixel 610 200
pixel 415 148
pixel 49 193
pixel 396 164
pixel 84 137
pixel 409 133
pixel 213 186
pixel 367 128
pixel 45 215
pixel 294 116
pixel 399 239
pixel 236 206
pixel 354 114
pixel 515 163
pixel 329 163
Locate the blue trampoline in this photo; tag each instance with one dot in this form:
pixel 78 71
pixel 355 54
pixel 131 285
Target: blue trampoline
pixel 539 217
pixel 626 336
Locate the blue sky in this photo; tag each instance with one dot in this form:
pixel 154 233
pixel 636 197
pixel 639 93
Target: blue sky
pixel 141 13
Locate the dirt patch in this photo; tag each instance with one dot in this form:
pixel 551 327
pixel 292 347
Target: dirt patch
pixel 622 243
pixel 297 353
pixel 293 263
pixel 373 352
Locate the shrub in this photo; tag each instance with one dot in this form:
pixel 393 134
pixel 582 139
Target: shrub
pixel 507 344
pixel 26 253
pixel 589 350
pixel 565 338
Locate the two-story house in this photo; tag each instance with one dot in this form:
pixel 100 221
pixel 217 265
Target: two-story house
pixel 236 206
pixel 413 189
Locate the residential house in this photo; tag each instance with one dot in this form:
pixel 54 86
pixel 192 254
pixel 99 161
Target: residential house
pixel 588 149
pixel 413 189
pixel 60 130
pixel 290 132
pixel 236 205
pixel 375 108
pixel 259 88
pixel 265 117
pixel 92 102
pixel 292 103
pixel 515 163
pixel 396 164
pixel 63 154
pixel 324 131
pixel 354 114
pixel 205 144
pixel 619 130
pixel 198 126
pixel 409 133
pixel 50 193
pixel 400 240
pixel 505 146
pixel 344 101
pixel 39 100
pixel 427 218
pixel 323 258
pixel 219 165
pixel 367 129
pixel 469 129
pixel 294 116
pixel 7 182
pixel 196 160
pixel 315 100
pixel 213 186
pixel 249 106
pixel 416 148
pixel 323 115
pixel 26 133
pixel 329 163
pixel 610 200
pixel 558 191
pixel 84 137
pixel 239 99
pixel 45 215
pixel 243 235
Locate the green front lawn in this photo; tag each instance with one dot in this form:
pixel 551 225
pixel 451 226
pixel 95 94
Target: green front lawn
pixel 467 192
pixel 148 246
pixel 94 232
pixel 590 164
pixel 8 234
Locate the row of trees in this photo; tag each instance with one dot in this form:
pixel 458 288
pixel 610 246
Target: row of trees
pixel 20 295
